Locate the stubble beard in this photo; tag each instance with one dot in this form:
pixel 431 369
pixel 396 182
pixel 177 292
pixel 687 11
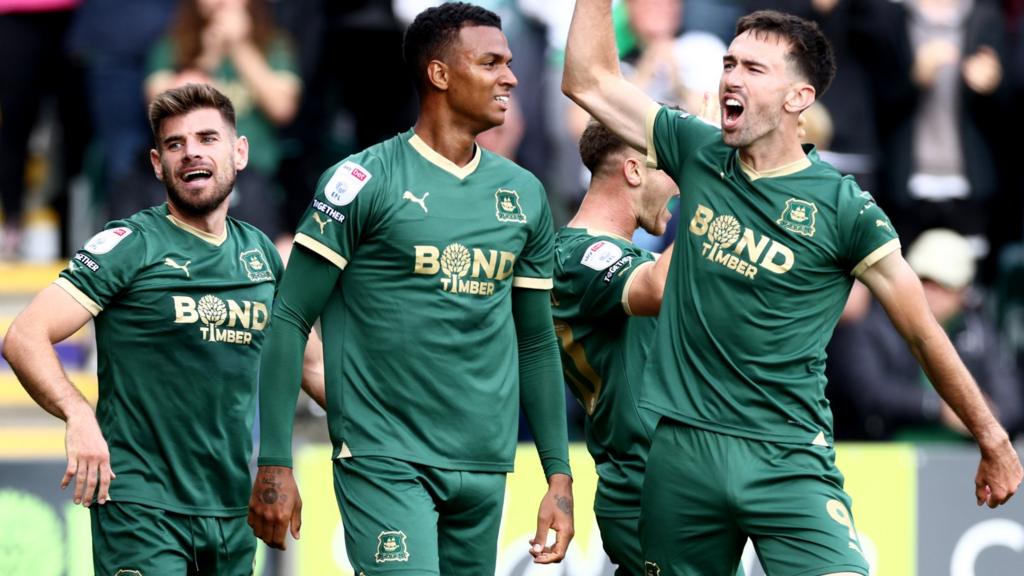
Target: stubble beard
pixel 200 204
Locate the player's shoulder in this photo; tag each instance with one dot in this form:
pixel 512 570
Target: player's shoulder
pixel 340 182
pixel 587 249
pixel 508 170
pixel 133 230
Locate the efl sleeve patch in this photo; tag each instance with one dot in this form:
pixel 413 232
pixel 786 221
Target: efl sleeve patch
pixel 106 240
pixel 601 255
pixel 346 182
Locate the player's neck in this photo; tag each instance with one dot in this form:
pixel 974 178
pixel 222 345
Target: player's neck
pixel 449 139
pixel 212 222
pixel 772 151
pixel 606 211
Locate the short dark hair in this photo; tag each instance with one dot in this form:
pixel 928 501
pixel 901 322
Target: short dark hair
pixel 185 99
pixel 433 32
pixel 809 48
pixel 597 144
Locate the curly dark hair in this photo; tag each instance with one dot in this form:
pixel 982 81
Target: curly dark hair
pixel 434 31
pixel 185 99
pixel 809 48
pixel 597 144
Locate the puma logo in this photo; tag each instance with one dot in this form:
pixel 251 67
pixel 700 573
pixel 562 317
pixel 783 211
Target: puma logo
pixel 421 201
pixel 322 223
pixel 182 267
pixel 882 224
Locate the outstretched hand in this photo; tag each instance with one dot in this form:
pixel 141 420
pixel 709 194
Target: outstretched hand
pixel 274 506
pixel 555 514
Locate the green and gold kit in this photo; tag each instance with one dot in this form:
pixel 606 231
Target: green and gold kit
pixel 420 346
pixel 180 317
pixel 604 349
pixel 762 267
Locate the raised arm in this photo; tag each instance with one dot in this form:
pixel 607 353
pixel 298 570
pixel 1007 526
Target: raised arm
pixel 647 288
pixel 895 285
pixel 28 347
pixel 593 79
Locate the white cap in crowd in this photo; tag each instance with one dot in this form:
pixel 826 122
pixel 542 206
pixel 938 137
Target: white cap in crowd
pixel 943 256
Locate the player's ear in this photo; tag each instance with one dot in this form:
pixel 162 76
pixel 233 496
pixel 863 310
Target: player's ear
pixel 799 98
pixel 632 170
pixel 158 168
pixel 241 152
pixel 438 74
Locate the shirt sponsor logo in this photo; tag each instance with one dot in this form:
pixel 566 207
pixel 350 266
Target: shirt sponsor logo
pixel 798 216
pixel 391 547
pixel 227 321
pixel 464 271
pixel 84 260
pixel 256 267
pixel 600 255
pixel 346 182
pixel 619 267
pixel 736 247
pixel 106 241
pixel 507 206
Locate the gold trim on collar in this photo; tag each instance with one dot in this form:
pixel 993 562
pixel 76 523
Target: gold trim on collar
pixel 432 156
pixel 204 236
pixel 784 170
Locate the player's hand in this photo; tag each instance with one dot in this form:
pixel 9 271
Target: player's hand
pixel 999 473
pixel 88 458
pixel 274 506
pixel 555 514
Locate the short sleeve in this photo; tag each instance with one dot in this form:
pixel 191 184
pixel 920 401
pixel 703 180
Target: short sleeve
pixel 864 228
pixel 600 274
pixel 673 135
pixel 97 273
pixel 342 209
pixel 535 266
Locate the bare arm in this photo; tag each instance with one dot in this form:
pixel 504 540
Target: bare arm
pixel 51 317
pixel 895 285
pixel 593 79
pixel 648 287
pixel 313 370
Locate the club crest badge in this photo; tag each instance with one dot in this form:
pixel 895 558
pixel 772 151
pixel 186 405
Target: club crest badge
pixel 508 208
pixel 798 216
pixel 256 266
pixel 391 547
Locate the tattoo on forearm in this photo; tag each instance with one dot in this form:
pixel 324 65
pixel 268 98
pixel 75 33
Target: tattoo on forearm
pixel 564 504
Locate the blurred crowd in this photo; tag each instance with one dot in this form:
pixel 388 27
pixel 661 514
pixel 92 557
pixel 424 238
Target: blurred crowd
pixel 923 111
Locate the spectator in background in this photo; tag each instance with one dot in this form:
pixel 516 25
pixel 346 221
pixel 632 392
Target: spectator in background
pixel 884 384
pixel 35 66
pixel 234 45
pixel 941 103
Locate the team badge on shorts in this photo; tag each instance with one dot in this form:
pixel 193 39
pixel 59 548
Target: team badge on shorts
pixel 256 265
pixel 798 216
pixel 508 208
pixel 391 547
pixel 651 569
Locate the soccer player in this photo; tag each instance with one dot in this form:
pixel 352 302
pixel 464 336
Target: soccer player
pixel 181 295
pixel 764 259
pixel 429 262
pixel 606 295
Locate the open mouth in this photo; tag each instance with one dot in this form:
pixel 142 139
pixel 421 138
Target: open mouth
pixel 197 175
pixel 733 110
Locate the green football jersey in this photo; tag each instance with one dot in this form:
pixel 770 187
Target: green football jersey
pixel 180 317
pixel 762 268
pixel 604 349
pixel 420 352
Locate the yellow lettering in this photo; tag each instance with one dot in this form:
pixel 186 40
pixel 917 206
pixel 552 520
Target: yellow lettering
pixel 701 220
pixel 840 514
pixel 444 283
pixel 776 250
pixel 705 249
pixel 733 260
pixel 723 257
pixel 185 310
pixel 741 266
pixel 241 315
pixel 426 260
pixel 753 248
pixel 247 338
pixel 505 265
pixel 483 263
pixel 260 315
pixel 751 271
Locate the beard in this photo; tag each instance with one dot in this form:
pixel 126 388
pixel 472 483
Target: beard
pixel 203 203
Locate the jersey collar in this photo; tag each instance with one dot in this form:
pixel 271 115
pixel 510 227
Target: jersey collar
pixel 204 236
pixel 432 156
pixel 784 170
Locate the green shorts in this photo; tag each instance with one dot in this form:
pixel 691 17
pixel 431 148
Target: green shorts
pixel 135 540
pixel 621 539
pixel 704 493
pixel 404 518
